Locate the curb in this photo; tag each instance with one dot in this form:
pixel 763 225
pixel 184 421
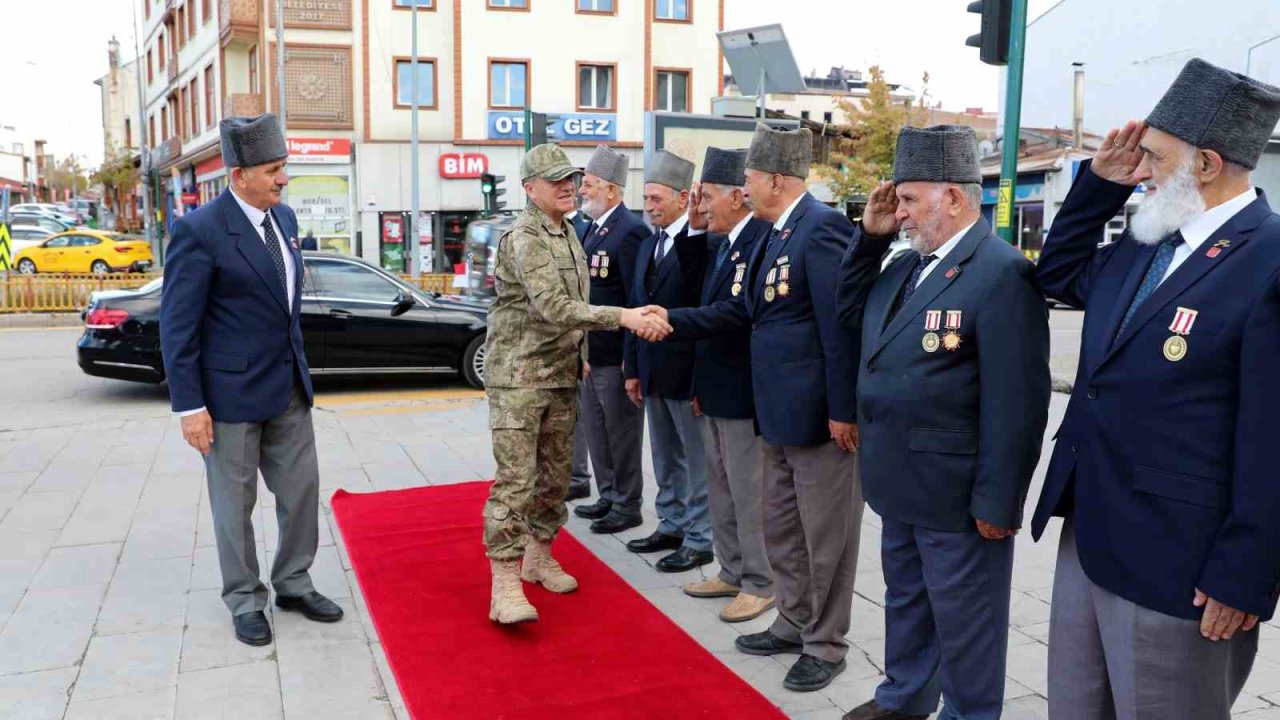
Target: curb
pixel 41 320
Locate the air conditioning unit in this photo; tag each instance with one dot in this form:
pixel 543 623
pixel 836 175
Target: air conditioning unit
pixel 735 105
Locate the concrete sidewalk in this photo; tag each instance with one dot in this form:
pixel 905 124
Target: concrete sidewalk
pixel 109 602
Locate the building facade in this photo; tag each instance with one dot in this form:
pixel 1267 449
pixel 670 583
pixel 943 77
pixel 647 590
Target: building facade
pixel 120 140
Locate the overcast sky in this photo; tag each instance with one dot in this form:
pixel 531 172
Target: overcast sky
pixel 55 49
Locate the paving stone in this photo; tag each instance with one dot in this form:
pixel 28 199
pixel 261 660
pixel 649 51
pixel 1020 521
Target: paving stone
pixel 129 665
pixel 40 511
pixel 308 689
pixel 36 695
pixel 50 629
pixel 80 565
pixel 149 705
pixel 210 641
pixel 242 692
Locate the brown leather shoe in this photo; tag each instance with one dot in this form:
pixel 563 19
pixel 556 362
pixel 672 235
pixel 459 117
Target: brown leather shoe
pixel 870 710
pixel 745 606
pixel 712 588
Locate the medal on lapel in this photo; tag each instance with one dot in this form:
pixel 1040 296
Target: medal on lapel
pixel 784 287
pixel 1217 248
pixel 769 291
pixel 1175 348
pixel 932 323
pixel 604 265
pixel 739 271
pixel 595 265
pixel 951 341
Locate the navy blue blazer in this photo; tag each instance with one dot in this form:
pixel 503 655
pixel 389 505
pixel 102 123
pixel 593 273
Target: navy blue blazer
pixel 580 225
pixel 722 365
pixel 1169 467
pixel 954 434
pixel 804 363
pixel 231 341
pixel 665 369
pixel 611 258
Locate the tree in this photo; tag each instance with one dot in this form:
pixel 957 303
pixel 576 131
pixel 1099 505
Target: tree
pixel 119 180
pixel 862 155
pixel 66 174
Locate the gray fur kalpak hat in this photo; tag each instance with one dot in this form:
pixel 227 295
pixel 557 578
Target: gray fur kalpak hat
pixel 671 170
pixel 1215 109
pixel 609 166
pixel 786 152
pixel 724 167
pixel 942 153
pixel 250 141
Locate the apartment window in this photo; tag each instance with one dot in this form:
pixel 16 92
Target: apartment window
pixel 194 94
pixel 826 117
pixel 128 134
pixel 146 8
pixel 191 19
pixel 672 88
pixel 673 10
pixel 151 136
pixel 602 7
pixel 424 4
pixel 207 7
pixel 208 96
pixel 508 84
pixel 161 49
pixel 804 114
pixel 253 69
pixel 595 87
pixel 164 123
pixel 179 28
pixel 426 82
pixel 509 4
pixel 151 69
pixel 181 117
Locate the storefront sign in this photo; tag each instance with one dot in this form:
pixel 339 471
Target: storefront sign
pixel 592 127
pixel 323 206
pixel 310 151
pixel 334 14
pixel 455 166
pixel 212 165
pixel 1026 192
pixel 190 198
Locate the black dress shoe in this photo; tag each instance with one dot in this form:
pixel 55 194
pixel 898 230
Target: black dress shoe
pixel 577 492
pixel 252 628
pixel 870 710
pixel 614 523
pixel 313 605
pixel 684 559
pixel 655 542
pixel 594 511
pixel 766 643
pixel 810 673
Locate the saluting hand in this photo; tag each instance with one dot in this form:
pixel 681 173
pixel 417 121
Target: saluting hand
pixel 880 218
pixel 697 221
pixel 1118 158
pixel 1220 622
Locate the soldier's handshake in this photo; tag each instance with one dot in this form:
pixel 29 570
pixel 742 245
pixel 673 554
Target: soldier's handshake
pixel 653 326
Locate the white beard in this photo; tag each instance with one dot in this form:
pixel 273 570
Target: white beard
pixel 593 208
pixel 1176 201
pixel 926 237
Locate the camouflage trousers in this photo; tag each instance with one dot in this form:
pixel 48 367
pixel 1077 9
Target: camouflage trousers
pixel 532 432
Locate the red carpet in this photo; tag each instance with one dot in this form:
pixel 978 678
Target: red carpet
pixel 420 562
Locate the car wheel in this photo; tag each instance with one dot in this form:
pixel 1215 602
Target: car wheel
pixel 99 267
pixel 473 362
pixel 26 267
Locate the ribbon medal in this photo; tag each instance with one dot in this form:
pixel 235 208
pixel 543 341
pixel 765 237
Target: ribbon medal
pixel 1175 348
pixel 932 323
pixel 951 341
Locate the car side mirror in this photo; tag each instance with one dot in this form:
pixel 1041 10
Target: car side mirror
pixel 404 301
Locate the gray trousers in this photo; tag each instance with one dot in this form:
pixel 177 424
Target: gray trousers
pixel 581 473
pixel 679 464
pixel 1110 659
pixel 615 436
pixel 284 449
pixel 812 517
pixel 735 488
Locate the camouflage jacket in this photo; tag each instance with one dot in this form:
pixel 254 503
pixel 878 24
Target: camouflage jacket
pixel 537 322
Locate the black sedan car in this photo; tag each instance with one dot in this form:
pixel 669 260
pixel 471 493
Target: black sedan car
pixel 356 319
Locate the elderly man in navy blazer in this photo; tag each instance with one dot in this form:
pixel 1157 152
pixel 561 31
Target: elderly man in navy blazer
pixel 232 344
pixel 614 425
pixel 1165 462
pixel 722 393
pixel 953 397
pixel 804 374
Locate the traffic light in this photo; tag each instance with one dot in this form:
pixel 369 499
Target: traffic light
pixel 491 188
pixel 541 128
pixel 993 41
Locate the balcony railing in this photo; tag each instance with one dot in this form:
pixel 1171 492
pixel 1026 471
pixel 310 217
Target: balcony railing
pixel 242 104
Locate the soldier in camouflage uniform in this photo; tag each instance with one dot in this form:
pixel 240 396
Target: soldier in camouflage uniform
pixel 536 352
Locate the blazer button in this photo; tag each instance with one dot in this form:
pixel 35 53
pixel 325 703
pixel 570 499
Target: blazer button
pixel 1075 448
pixel 1093 394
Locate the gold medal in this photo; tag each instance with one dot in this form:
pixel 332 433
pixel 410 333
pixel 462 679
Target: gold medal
pixel 594 272
pixel 737 288
pixel 1175 348
pixel 604 271
pixel 951 341
pixel 769 294
pixel 931 342
pixel 784 288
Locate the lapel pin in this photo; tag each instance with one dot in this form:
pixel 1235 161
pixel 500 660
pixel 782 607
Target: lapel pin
pixel 786 234
pixel 1217 248
pixel 954 271
pixel 294 242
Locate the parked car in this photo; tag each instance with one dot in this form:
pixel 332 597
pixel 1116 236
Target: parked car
pixel 482 253
pixel 94 251
pixel 40 220
pixel 25 236
pixel 56 212
pixel 356 319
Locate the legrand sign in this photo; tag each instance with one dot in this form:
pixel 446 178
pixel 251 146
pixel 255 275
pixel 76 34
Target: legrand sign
pixel 595 127
pixel 456 166
pixel 319 150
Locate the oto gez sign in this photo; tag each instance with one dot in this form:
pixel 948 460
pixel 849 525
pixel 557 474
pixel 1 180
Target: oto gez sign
pixel 567 127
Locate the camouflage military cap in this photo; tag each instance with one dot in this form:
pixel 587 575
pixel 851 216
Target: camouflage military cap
pixel 547 161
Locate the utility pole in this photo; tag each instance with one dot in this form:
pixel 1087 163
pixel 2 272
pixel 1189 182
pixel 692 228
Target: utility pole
pixel 1012 123
pixel 280 93
pixel 411 243
pixel 144 155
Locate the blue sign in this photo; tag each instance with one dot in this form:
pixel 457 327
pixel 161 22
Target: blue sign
pixel 593 127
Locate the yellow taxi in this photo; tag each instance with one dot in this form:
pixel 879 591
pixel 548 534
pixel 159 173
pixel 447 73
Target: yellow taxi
pixel 86 251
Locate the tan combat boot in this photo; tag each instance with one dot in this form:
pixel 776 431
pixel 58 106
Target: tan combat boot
pixel 507 603
pixel 540 567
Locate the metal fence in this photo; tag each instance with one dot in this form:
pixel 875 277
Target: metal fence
pixel 47 293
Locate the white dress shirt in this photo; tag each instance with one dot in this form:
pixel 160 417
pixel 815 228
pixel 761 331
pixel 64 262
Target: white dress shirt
pixel 599 222
pixel 255 218
pixel 1198 229
pixel 737 229
pixel 786 214
pixel 672 231
pixel 943 251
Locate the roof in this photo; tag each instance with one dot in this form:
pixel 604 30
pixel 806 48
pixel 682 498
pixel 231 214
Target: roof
pixel 1048 161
